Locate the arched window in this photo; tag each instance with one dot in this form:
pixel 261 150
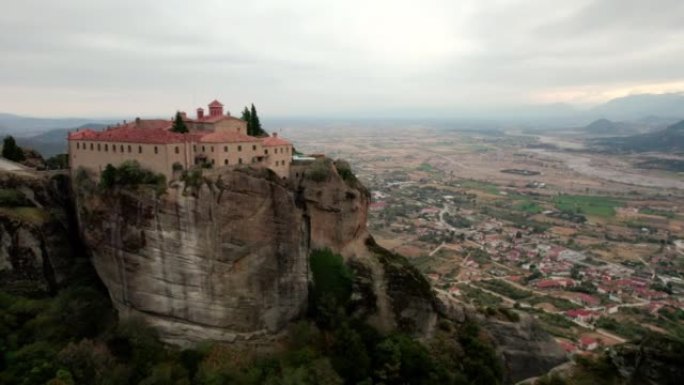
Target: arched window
pixel 225 148
pixel 177 150
pixel 139 149
pixel 106 147
pixel 239 148
pixel 98 147
pixel 225 161
pixel 78 146
pixel 156 150
pixel 129 149
pixel 91 147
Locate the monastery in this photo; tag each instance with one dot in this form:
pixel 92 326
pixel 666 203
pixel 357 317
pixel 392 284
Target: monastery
pixel 216 139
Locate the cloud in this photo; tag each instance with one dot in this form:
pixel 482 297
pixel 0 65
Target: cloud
pixel 306 57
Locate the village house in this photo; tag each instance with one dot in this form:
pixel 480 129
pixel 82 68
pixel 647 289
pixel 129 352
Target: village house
pixel 214 140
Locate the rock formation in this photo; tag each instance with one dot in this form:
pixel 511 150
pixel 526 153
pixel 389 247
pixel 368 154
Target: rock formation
pixel 38 252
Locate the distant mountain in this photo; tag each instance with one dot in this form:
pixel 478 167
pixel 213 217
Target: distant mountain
pixel 669 140
pixel 603 126
pixel 53 142
pixel 16 125
pixel 638 106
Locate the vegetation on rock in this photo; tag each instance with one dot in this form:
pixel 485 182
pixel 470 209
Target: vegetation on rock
pixel 11 151
pixel 130 174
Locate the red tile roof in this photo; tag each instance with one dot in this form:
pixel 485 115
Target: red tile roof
pixel 142 131
pixel 275 141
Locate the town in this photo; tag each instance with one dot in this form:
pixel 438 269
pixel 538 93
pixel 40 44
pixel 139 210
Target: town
pixel 595 263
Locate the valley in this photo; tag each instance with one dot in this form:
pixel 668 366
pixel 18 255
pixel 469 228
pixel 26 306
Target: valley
pixel 585 241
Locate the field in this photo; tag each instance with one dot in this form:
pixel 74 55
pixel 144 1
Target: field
pixel 590 205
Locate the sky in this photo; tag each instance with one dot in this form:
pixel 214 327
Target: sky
pixel 319 57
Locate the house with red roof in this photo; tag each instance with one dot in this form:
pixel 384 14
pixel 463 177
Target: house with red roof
pixel 588 343
pixel 215 140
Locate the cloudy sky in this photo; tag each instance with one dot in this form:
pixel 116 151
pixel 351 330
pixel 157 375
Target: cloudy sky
pixel 321 57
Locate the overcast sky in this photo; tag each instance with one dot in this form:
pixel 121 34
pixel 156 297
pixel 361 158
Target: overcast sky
pixel 319 57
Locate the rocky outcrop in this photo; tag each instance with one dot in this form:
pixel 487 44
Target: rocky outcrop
pixel 38 252
pixel 525 348
pixel 654 360
pixel 227 259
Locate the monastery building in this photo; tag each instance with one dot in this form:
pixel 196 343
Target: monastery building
pixel 217 139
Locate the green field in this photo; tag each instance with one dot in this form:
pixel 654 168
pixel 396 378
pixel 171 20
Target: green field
pixel 586 204
pixel 478 185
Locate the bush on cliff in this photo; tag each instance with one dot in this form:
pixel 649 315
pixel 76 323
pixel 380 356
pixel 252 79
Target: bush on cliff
pixel 131 174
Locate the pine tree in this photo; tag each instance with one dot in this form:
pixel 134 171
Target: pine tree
pixel 256 124
pixel 247 117
pixel 11 151
pixel 178 124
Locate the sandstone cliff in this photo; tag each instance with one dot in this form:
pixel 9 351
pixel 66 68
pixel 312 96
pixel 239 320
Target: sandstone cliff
pixel 227 258
pixel 38 250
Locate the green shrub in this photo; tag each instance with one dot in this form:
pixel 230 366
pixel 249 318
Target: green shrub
pixel 131 174
pixel 13 198
pixel 319 170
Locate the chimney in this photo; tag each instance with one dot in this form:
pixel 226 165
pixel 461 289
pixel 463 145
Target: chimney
pixel 200 113
pixel 184 115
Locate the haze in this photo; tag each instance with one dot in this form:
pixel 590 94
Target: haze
pixel 317 58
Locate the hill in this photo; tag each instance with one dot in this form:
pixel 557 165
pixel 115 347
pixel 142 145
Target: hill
pixel 637 106
pixel 17 125
pixel 54 141
pixel 669 140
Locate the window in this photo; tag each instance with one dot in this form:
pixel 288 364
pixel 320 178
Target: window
pixel 194 148
pixel 177 150
pixel 78 145
pixel 254 147
pixel 114 148
pixel 225 149
pixel 91 147
pixel 203 149
pixel 139 149
pixel 212 148
pixel 129 149
pixel 156 150
pixel 240 160
pixel 225 162
pixel 122 149
pixel 98 147
pixel 239 148
pixel 213 161
pixel 265 152
pixel 106 147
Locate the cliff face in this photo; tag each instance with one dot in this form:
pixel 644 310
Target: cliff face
pixel 225 261
pixel 38 252
pixel 229 260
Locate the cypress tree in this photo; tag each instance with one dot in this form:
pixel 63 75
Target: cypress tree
pixel 179 124
pixel 11 151
pixel 247 117
pixel 256 124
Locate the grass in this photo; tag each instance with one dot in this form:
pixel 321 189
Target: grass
pixel 597 206
pixel 426 167
pixel 660 213
pixel 12 198
pixel 482 186
pixel 32 215
pixel 528 207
